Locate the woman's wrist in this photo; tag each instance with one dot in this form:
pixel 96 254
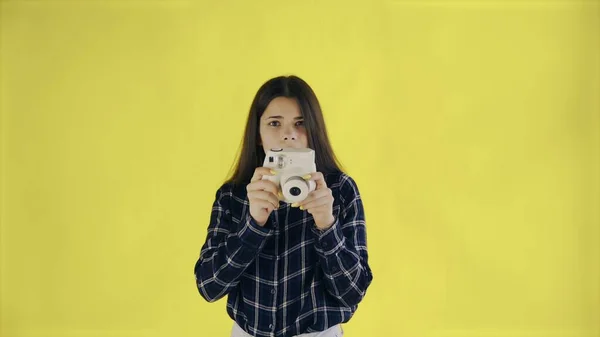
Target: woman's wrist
pixel 325 225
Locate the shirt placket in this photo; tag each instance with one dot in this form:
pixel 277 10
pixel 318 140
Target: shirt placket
pixel 276 233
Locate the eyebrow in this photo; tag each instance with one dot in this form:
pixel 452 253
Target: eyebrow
pixel 281 117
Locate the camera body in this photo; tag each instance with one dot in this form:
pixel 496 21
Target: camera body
pixel 291 164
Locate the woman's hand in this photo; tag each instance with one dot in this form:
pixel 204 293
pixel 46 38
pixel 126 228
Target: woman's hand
pixel 319 203
pixel 262 195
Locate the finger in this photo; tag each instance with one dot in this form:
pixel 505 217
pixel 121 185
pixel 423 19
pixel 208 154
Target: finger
pixel 316 203
pixel 316 194
pixel 319 209
pixel 264 204
pixel 263 185
pixel 318 178
pixel 259 172
pixel 264 195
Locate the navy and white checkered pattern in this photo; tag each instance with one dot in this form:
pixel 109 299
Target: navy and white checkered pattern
pixel 288 277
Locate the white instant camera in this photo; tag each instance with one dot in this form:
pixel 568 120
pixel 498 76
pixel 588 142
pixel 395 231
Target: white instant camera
pixel 291 164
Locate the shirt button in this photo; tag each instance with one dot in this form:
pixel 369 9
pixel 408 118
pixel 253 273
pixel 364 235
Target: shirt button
pixel 270 326
pixel 273 291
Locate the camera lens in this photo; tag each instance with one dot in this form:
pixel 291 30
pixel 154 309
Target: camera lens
pixel 295 191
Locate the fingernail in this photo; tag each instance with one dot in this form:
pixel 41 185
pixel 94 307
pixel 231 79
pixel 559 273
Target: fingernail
pixel 301 208
pixel 273 172
pixel 295 204
pixel 306 177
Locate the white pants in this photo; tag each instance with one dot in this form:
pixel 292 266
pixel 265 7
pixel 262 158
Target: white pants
pixel 334 331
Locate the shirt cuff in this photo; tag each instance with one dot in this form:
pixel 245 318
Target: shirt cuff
pixel 252 235
pixel 329 241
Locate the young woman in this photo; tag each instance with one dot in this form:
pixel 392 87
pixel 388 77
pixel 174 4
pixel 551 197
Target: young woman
pixel 287 269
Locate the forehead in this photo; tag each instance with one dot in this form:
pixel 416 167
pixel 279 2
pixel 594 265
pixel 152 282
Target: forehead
pixel 283 106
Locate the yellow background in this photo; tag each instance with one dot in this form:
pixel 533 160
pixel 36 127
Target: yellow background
pixel 471 127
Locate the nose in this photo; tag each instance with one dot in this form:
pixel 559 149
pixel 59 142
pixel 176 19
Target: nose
pixel 289 134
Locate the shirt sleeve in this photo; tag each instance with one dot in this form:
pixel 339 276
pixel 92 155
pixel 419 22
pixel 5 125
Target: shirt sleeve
pixel 342 249
pixel 228 250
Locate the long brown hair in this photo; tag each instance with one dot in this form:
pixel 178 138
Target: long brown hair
pixel 252 154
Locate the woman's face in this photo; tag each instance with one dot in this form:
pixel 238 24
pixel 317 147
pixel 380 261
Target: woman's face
pixel 282 125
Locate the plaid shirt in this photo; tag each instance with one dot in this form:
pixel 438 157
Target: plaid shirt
pixel 288 277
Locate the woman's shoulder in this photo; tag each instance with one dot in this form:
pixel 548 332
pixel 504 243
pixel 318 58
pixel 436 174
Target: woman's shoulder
pixel 339 178
pixel 343 183
pixel 231 191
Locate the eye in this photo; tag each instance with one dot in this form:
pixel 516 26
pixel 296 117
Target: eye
pixel 300 123
pixel 274 123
